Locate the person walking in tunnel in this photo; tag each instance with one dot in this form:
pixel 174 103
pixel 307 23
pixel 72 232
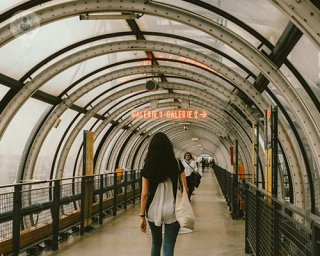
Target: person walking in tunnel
pixel 190 168
pixel 159 188
pixel 203 164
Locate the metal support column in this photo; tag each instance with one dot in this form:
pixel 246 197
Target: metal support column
pixel 236 184
pixel 125 189
pixel 16 220
pixel 274 146
pixel 134 187
pixel 247 246
pixel 257 153
pixel 115 193
pixel 55 215
pixel 83 199
pixel 101 200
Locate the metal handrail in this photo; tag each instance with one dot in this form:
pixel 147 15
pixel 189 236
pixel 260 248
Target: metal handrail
pixel 56 207
pixel 274 226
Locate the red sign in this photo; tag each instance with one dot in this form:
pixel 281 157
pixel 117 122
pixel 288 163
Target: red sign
pixel 268 113
pixel 231 156
pixel 169 114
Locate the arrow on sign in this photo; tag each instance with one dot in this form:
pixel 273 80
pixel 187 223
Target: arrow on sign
pixel 203 114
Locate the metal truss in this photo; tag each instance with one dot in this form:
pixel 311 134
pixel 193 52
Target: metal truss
pixel 121 73
pixel 175 131
pixel 215 129
pixel 63 10
pixel 67 102
pixel 304 14
pixel 157 97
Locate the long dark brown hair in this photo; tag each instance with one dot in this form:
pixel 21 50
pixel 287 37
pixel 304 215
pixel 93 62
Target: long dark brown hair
pixel 160 162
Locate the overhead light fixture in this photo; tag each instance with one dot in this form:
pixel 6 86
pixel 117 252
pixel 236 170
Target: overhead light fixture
pixel 152 85
pixel 126 16
pixel 199 145
pixel 194 139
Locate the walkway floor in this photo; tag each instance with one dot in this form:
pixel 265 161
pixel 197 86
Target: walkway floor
pixel 216 234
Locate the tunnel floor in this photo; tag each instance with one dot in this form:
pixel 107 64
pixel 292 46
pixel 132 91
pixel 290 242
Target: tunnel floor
pixel 215 234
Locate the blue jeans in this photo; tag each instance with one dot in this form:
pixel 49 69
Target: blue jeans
pixel 170 236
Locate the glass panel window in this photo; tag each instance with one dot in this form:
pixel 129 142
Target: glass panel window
pixel 306 59
pixel 104 91
pixel 127 153
pixel 195 84
pixel 200 71
pixel 6 5
pixel 65 32
pixel 15 138
pixel 303 93
pixel 3 91
pixel 156 24
pixel 46 155
pixel 71 160
pixel 107 154
pixel 100 136
pixel 260 15
pixel 60 82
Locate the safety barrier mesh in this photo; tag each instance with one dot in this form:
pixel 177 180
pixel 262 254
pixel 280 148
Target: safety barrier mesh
pixel 68 189
pixel 275 227
pixel 6 206
pixel 46 209
pixel 265 227
pixel 34 196
pixel 294 237
pixel 251 208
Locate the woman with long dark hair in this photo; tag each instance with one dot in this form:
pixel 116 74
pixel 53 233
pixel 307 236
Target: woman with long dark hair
pixel 159 187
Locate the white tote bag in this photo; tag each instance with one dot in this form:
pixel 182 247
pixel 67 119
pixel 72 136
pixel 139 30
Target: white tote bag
pixel 184 212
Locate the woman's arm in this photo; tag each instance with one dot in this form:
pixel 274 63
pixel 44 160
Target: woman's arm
pixel 144 200
pixel 184 180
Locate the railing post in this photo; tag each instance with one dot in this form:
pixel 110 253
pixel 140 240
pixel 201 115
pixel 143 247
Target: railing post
pixel 83 199
pixel 101 200
pixel 55 215
pixel 315 238
pixel 16 219
pixel 257 223
pixel 115 193
pixel 233 197
pixel 276 208
pixel 235 184
pixel 257 154
pixel 247 246
pixel 274 143
pixel 134 186
pixel 225 179
pixel 125 189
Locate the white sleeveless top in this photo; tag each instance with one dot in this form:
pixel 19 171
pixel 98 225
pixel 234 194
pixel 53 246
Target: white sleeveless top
pixel 162 207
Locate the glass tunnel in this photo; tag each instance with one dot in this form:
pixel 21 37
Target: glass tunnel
pixel 207 73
